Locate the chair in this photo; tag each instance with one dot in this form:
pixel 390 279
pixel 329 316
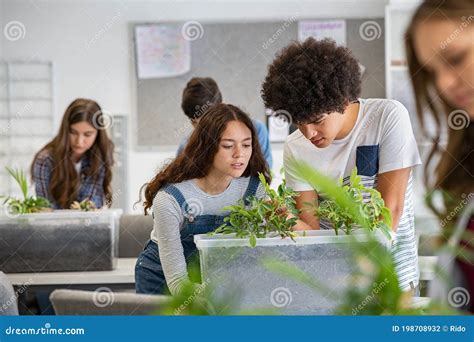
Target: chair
pixel 78 302
pixel 134 233
pixel 8 300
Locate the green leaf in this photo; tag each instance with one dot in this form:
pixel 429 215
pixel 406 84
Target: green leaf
pixel 253 241
pixel 28 204
pixel 20 178
pixel 385 230
pixel 387 216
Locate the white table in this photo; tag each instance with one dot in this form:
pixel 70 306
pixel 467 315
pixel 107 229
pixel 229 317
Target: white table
pixel 124 273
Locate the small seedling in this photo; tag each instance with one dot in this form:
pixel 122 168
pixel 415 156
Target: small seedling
pixel 275 214
pixel 84 205
pixel 29 204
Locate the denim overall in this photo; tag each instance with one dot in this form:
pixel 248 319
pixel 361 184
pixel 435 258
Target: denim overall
pixel 149 276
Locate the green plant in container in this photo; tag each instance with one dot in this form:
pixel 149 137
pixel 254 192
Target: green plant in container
pixel 373 211
pixel 275 214
pixel 374 287
pixel 29 204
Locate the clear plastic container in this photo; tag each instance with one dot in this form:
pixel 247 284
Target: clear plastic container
pixel 61 240
pixel 232 267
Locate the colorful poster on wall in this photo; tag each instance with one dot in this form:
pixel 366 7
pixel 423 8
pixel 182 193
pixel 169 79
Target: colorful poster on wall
pixel 319 29
pixel 161 51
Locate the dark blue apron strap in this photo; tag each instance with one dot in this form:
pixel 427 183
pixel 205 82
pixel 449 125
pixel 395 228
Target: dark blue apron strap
pixel 251 189
pixel 178 196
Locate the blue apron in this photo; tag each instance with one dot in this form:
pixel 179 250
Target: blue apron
pixel 149 276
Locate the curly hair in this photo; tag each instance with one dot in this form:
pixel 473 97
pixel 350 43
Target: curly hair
pixel 312 78
pixel 197 158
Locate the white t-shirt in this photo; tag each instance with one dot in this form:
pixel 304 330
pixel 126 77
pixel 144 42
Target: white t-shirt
pixel 78 166
pixel 381 140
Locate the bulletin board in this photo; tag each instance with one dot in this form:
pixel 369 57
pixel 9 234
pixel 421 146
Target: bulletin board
pixel 237 55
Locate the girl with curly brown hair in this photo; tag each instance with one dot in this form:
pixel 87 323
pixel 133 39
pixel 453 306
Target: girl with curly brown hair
pixel 218 167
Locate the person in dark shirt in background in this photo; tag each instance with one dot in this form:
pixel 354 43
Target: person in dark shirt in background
pixel 199 95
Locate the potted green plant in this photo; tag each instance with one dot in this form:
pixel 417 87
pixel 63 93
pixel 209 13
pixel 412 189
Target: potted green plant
pixel 35 238
pixel 29 204
pixel 262 217
pixel 233 256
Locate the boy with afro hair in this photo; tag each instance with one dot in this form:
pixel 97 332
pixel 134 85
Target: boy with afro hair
pixel 318 83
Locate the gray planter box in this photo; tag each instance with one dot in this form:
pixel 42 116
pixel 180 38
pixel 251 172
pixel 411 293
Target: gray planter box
pixel 62 240
pixel 228 264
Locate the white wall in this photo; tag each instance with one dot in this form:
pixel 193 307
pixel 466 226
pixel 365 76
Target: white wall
pixel 2 13
pixel 89 45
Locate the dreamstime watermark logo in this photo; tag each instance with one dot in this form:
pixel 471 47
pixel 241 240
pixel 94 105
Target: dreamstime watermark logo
pixel 368 209
pixel 114 197
pixel 18 115
pixel 12 300
pixel 458 297
pixel 281 297
pixel 193 207
pixel 102 120
pixel 280 119
pixel 454 213
pixel 102 297
pixel 106 27
pixel 370 30
pixel 46 330
pixel 198 112
pixel 465 21
pixel 278 33
pixel 14 30
pixel 196 293
pixel 183 129
pixel 12 209
pixel 94 217
pixel 458 119
pixel 370 297
pixel 192 30
pixel 371 119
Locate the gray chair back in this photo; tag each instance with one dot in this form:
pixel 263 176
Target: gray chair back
pixel 78 302
pixel 8 300
pixel 134 233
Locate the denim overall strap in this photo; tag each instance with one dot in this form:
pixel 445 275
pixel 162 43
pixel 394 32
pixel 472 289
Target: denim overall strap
pixel 149 273
pixel 251 189
pixel 178 196
pixel 193 224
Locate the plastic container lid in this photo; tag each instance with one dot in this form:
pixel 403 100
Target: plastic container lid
pixel 62 215
pixel 309 237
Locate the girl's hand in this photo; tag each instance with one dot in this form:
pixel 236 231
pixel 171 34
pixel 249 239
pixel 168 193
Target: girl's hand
pixel 300 225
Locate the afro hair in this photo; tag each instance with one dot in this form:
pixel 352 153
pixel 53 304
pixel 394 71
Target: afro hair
pixel 311 78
